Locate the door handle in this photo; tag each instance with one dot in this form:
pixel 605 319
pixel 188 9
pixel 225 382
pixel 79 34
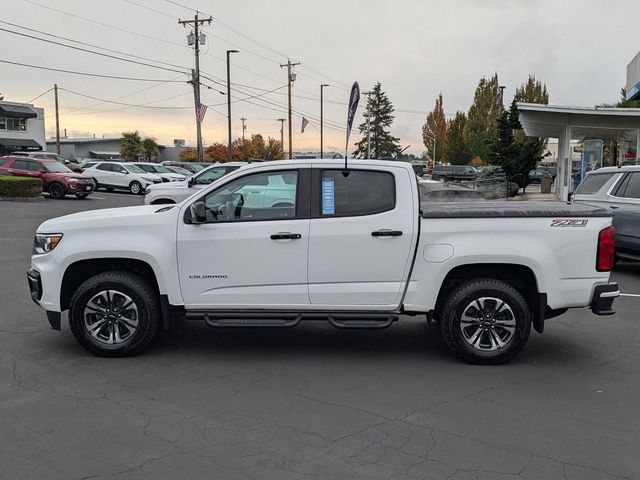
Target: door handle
pixel 285 236
pixel 387 233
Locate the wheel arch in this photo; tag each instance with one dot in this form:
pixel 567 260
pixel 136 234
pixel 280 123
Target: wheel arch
pixel 81 270
pixel 521 277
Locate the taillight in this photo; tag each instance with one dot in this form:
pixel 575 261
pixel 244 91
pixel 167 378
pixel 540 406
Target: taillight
pixel 606 249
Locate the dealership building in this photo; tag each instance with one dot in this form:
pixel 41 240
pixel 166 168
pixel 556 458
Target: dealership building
pixel 21 127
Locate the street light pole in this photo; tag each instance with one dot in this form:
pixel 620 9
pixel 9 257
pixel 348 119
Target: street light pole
pixel 322 120
pixel 229 52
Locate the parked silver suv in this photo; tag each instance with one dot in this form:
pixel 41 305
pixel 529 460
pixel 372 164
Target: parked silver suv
pixel 617 188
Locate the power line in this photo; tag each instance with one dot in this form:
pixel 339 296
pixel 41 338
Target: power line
pixel 87 74
pixel 104 24
pixel 90 51
pixel 91 45
pixel 12 108
pixel 124 104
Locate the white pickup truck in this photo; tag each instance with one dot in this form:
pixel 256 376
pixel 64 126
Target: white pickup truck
pixel 356 248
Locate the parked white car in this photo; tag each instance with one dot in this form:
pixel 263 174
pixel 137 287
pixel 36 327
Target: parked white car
pixel 176 192
pixel 277 243
pixel 121 176
pixel 163 172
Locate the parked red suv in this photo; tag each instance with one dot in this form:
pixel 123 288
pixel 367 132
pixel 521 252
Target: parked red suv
pixel 57 179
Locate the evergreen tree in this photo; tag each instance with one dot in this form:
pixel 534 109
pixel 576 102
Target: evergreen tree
pixel 379 110
pixel 150 149
pixel 436 127
pixel 480 128
pixel 457 152
pixel 512 150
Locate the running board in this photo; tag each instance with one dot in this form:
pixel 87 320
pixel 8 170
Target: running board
pixel 261 319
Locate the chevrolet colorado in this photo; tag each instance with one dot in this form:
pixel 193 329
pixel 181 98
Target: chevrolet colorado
pixel 277 243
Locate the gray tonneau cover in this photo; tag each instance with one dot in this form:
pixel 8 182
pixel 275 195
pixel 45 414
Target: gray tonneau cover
pixel 510 209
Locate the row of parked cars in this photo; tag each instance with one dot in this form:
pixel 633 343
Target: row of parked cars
pixel 466 173
pixel 61 177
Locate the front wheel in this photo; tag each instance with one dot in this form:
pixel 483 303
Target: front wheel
pixel 114 314
pixel 56 191
pixel 135 188
pixel 485 321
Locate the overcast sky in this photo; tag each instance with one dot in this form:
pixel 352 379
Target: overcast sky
pixel 415 48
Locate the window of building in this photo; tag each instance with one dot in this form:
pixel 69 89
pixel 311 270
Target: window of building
pixel 362 192
pixel 15 124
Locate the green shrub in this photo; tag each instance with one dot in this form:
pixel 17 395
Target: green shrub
pixel 20 187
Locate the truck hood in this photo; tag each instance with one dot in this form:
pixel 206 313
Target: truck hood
pixel 123 217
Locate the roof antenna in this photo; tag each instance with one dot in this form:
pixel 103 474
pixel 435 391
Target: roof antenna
pixel 354 98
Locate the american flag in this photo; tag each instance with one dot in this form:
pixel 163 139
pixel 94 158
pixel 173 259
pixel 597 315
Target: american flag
pixel 200 112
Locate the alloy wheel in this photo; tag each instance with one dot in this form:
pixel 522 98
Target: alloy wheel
pixel 111 317
pixel 487 324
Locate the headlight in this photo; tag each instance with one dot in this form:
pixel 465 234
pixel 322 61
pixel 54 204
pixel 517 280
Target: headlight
pixel 45 242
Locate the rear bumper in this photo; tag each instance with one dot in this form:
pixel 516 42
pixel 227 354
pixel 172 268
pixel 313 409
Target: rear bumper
pixel 603 297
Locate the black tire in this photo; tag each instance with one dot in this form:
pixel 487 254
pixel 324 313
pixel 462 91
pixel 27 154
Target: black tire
pixel 56 191
pixel 511 325
pixel 144 300
pixel 136 188
pixel 82 196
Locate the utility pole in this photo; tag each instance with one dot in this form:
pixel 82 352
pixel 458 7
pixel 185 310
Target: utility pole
pixel 194 39
pixel 282 120
pixel 229 52
pixel 322 120
pixel 55 91
pixel 290 79
pixel 244 127
pixel 368 94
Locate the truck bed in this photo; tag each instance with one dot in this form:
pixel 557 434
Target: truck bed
pixel 510 209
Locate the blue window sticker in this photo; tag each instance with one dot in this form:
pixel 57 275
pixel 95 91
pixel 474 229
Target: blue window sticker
pixel 328 196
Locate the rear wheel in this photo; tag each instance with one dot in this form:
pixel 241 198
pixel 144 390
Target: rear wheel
pixel 56 191
pixel 485 321
pixel 135 188
pixel 114 314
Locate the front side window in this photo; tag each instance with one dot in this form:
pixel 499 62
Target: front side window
pixel 592 183
pixel 259 196
pixel 147 168
pixel 362 192
pixel 210 176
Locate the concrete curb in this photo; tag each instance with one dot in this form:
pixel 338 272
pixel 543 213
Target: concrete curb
pixel 21 199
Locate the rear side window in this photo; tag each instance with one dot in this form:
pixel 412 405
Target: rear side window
pixel 362 192
pixel 592 183
pixel 632 188
pixel 107 167
pixel 21 165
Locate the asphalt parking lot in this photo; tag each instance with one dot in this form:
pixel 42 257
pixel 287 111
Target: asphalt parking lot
pixel 310 402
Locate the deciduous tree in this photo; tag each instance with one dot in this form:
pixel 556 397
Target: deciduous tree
pixel 480 127
pixel 189 155
pixel 436 128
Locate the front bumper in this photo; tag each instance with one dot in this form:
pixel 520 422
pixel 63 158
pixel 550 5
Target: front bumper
pixel 35 287
pixel 603 297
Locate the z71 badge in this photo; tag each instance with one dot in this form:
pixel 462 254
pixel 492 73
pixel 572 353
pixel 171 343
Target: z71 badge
pixel 569 223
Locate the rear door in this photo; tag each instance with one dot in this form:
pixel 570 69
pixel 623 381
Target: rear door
pixel 626 214
pixel 361 238
pixel 20 168
pixel 104 174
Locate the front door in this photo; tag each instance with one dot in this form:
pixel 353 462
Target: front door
pixel 362 237
pixel 252 250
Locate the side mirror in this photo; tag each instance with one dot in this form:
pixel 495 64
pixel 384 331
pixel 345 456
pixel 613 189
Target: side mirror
pixel 190 182
pixel 198 212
